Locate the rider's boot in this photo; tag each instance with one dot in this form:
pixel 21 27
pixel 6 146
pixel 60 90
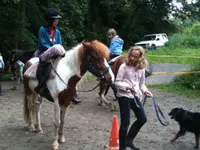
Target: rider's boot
pixel 76 100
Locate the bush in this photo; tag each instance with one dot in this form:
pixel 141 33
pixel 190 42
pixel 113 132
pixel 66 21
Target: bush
pixel 195 30
pixel 184 41
pixel 190 38
pixel 6 76
pixel 190 81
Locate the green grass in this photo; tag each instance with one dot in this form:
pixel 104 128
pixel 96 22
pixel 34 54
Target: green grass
pixel 89 76
pixel 168 52
pixel 173 88
pixel 176 52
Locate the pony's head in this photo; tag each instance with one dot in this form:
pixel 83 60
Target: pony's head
pixel 97 55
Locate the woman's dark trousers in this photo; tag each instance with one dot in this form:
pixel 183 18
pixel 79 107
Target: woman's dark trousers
pixel 125 105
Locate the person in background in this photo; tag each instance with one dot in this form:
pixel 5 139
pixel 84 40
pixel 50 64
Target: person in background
pixel 130 83
pixel 36 53
pixel 115 43
pixel 19 66
pixel 2 66
pixel 49 35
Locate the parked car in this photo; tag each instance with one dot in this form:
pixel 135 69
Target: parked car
pixel 153 41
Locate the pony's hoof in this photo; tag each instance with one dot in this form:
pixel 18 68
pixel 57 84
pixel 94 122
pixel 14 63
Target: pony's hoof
pixel 31 128
pixel 100 104
pixel 55 146
pixel 172 141
pixel 112 109
pixel 61 139
pixel 39 131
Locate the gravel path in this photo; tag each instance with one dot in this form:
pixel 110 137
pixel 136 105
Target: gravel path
pixel 88 125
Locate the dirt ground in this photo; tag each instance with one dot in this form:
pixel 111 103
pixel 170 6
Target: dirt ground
pixel 88 125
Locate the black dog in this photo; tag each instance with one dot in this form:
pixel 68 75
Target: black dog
pixel 188 121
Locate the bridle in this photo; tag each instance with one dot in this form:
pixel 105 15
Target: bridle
pixel 91 68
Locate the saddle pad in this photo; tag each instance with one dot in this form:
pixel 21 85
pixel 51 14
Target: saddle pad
pixel 113 60
pixel 31 71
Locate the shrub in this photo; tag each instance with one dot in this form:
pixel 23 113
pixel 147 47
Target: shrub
pixel 190 81
pixel 184 41
pixel 195 30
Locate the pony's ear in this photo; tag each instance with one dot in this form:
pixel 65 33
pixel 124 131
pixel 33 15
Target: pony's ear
pixel 86 44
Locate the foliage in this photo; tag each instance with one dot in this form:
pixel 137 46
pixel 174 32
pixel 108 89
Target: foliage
pixel 6 76
pixel 188 38
pixel 82 20
pixel 184 41
pixel 190 81
pixel 195 30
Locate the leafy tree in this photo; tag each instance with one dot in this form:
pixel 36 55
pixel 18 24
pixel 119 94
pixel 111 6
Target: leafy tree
pixel 82 20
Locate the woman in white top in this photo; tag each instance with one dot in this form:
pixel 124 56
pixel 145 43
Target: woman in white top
pixel 130 83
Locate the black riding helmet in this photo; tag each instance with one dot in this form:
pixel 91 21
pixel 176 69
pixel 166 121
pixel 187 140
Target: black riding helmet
pixel 51 13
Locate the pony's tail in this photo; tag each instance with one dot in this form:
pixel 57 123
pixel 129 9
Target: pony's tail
pixel 26 109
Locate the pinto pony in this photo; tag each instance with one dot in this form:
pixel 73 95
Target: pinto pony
pixel 104 86
pixel 62 87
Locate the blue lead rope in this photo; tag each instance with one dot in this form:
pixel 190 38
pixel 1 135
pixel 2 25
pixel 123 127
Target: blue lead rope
pixel 158 111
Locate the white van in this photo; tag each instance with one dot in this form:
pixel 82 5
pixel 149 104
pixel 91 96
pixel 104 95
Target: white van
pixel 152 41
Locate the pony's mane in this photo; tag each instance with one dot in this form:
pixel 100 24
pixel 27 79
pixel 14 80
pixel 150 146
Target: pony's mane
pixel 100 48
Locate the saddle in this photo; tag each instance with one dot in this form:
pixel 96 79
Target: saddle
pixel 43 71
pixel 32 70
pixel 110 62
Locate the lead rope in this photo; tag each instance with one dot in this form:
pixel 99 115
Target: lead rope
pixel 68 85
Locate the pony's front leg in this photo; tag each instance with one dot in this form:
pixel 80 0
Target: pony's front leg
pixel 104 100
pixel 102 88
pixel 61 137
pixel 38 103
pixel 55 144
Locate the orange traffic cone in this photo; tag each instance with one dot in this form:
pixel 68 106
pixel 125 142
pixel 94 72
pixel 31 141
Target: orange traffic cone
pixel 114 135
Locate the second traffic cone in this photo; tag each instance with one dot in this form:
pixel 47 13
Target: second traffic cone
pixel 114 135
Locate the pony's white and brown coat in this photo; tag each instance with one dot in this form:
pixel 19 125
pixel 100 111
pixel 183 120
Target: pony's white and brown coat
pixel 70 69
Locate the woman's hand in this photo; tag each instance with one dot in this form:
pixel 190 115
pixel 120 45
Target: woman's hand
pixel 148 94
pixel 132 90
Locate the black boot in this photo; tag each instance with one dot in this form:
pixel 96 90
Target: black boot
pixel 131 145
pixel 40 88
pixel 37 88
pixel 42 74
pixel 76 100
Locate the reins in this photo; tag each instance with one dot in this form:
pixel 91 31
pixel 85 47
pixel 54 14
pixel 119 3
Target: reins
pixel 70 86
pixel 90 90
pixel 158 111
